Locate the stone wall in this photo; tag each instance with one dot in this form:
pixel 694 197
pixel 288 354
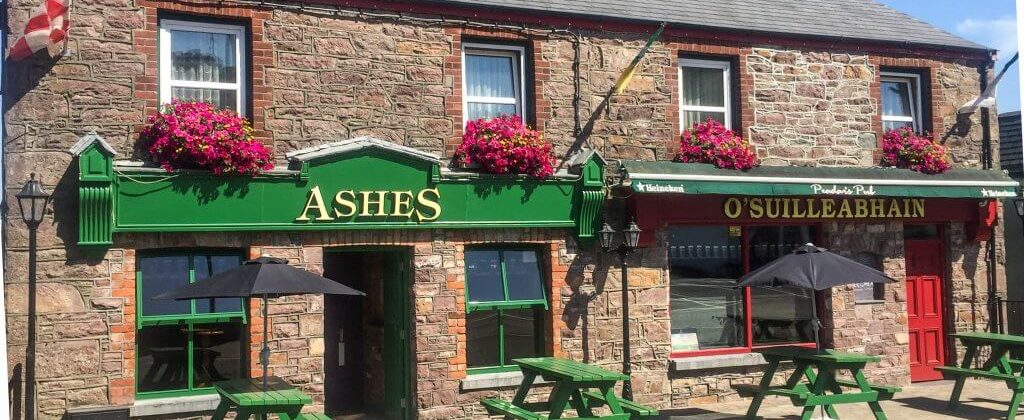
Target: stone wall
pixel 323 77
pixel 875 328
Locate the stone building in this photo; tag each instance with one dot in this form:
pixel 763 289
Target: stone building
pixel 366 98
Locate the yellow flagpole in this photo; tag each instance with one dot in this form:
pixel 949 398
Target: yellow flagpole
pixel 627 74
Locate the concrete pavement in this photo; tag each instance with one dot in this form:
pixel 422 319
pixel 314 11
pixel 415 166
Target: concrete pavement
pixel 982 399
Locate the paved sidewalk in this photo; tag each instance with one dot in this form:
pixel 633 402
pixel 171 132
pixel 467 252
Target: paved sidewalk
pixel 981 399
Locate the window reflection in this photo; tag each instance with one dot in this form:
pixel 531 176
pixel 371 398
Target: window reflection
pixel 781 314
pixel 707 309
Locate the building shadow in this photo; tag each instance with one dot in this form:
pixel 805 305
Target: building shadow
pixel 968 408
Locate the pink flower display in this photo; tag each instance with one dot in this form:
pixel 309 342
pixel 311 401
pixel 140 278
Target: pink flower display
pixel 903 148
pixel 193 135
pixel 505 145
pixel 710 142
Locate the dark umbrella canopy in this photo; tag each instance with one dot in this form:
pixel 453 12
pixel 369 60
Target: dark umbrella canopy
pixel 264 276
pixel 811 267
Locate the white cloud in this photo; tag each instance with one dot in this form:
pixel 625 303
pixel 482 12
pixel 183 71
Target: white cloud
pixel 999 33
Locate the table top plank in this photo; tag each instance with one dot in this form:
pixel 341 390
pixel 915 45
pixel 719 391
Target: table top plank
pixel 569 369
pixel 990 338
pixel 250 392
pixel 826 356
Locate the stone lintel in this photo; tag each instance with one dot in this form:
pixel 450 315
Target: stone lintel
pixel 683 364
pixel 176 405
pixel 495 380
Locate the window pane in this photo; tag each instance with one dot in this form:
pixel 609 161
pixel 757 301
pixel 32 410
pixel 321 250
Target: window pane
pixel 863 292
pixel 203 56
pixel 219 98
pixel 159 275
pixel 522 333
pixel 482 348
pixel 892 125
pixel 896 99
pixel 490 75
pixel 217 353
pixel 707 312
pixel 483 275
pixel 204 266
pixel 703 86
pixel 693 117
pixel 488 111
pixel 163 358
pixel 523 272
pixel 779 314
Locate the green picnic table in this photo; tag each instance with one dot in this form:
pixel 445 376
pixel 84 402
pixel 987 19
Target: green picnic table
pixel 820 370
pixel 577 386
pixel 248 398
pixel 997 366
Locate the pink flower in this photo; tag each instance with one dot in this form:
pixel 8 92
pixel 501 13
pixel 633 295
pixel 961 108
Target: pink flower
pixel 710 142
pixel 903 148
pixel 193 135
pixel 505 145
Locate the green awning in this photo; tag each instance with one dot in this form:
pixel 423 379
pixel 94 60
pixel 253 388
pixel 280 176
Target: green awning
pixel 696 178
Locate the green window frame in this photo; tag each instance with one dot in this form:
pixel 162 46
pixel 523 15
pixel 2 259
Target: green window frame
pixel 505 307
pixel 193 323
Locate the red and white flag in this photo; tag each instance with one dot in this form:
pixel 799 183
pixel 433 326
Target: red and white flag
pixel 48 26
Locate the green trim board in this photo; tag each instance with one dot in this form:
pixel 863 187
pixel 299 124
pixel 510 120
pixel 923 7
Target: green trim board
pixel 360 183
pixel 696 178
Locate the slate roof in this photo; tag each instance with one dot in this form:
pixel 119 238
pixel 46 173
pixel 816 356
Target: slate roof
pixel 838 19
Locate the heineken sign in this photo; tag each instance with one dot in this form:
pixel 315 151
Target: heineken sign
pixel 756 208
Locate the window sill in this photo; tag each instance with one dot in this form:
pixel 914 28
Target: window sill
pixel 495 380
pixel 868 302
pixel 161 406
pixel 685 364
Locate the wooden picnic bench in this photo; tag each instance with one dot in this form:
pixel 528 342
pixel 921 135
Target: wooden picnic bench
pixel 577 386
pixel 820 369
pixel 248 398
pixel 997 366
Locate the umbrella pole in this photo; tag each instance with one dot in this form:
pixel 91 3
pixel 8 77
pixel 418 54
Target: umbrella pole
pixel 265 352
pixel 815 325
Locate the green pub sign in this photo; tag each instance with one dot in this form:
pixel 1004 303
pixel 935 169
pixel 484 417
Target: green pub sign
pixel 362 183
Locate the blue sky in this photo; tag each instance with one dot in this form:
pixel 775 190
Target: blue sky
pixel 991 23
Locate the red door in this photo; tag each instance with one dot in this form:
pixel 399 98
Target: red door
pixel 925 261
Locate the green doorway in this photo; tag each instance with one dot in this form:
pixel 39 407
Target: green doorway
pixel 367 345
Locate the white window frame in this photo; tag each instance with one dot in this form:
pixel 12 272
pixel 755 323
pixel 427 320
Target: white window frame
pixel 913 82
pixel 726 68
pixel 517 53
pixel 165 71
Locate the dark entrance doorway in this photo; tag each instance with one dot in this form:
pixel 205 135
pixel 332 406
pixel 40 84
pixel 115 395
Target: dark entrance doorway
pixel 926 260
pixel 366 339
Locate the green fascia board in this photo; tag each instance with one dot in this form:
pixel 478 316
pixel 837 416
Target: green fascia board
pixel 696 178
pixel 146 199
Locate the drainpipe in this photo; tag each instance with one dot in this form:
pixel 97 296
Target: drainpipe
pixel 987 163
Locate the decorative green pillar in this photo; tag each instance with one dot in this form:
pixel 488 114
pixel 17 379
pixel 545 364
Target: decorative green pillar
pixel 95 190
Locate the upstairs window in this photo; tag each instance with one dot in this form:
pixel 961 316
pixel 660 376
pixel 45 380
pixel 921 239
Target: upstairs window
pixel 704 91
pixel 901 101
pixel 505 308
pixel 202 62
pixel 492 77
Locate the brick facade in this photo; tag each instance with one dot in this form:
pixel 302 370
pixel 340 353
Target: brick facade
pixel 319 77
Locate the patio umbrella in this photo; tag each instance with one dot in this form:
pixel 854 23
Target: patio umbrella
pixel 815 268
pixel 263 277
